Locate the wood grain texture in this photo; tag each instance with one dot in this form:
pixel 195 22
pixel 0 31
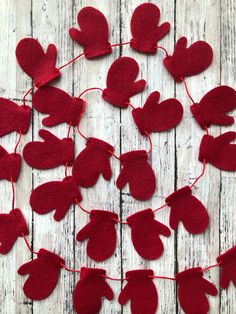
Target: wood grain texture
pixel 174 156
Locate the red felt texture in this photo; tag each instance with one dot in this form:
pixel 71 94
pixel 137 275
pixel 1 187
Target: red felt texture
pixel 43 274
pixel 93 34
pixel 192 290
pixel 12 226
pixel 141 291
pixel 93 161
pixel 145 29
pixel 101 234
pixel 219 151
pixel 214 106
pixel 137 172
pixel 157 117
pixel 37 64
pixel 51 153
pixel 13 118
pixel 10 165
pixel 90 290
pixel 145 234
pixel 55 195
pixel 188 61
pixel 121 84
pixel 58 105
pixel 227 262
pixel 187 209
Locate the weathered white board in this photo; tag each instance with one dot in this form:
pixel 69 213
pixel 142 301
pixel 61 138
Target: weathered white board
pixel 174 156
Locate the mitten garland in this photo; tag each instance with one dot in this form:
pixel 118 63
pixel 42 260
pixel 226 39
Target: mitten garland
pixel 94 160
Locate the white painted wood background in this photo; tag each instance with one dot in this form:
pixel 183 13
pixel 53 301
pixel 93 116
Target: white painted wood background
pixel 174 156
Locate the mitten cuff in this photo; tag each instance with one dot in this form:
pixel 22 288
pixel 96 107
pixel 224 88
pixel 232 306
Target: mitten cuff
pixel 146 214
pixel 171 68
pixel 20 222
pixel 23 119
pixel 13 167
pixel 100 145
pixel 189 274
pixel 47 76
pixel 54 259
pixel 103 216
pixel 139 121
pixel 69 151
pixel 228 256
pixel 133 156
pixel 177 195
pixel 76 111
pixel 86 273
pixel 114 98
pixel 205 150
pixel 97 50
pixel 146 46
pixel 139 274
pixel 203 121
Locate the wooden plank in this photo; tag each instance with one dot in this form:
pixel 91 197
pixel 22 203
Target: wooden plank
pixel 162 158
pixel 16 23
pixel 51 21
pixel 101 120
pixel 200 249
pixel 228 179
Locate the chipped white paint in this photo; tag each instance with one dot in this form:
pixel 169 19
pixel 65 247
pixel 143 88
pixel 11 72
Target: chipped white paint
pixel 174 156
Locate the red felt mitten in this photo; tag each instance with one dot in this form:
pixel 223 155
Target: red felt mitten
pixel 90 290
pixel 137 172
pixel 60 106
pixel 227 262
pixel 188 61
pixel 12 226
pixel 188 209
pixel 192 290
pixel 93 161
pixel 121 83
pixel 145 234
pixel 40 66
pixel 58 195
pixel 93 34
pixel 213 107
pixel 51 153
pixel 144 28
pixel 218 151
pixel 9 165
pixel 101 234
pixel 157 117
pixel 13 118
pixel 43 274
pixel 141 291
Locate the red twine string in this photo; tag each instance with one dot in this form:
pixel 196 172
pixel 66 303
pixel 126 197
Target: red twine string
pixel 24 97
pixel 162 48
pixel 164 205
pixel 81 134
pixel 18 142
pixel 202 173
pixel 69 269
pixel 211 266
pixel 81 207
pixel 162 277
pixel 150 141
pixel 28 245
pixel 91 88
pixel 129 104
pixel 120 44
pixel 71 61
pixel 13 194
pixel 187 91
pixel 115 279
pixel 121 222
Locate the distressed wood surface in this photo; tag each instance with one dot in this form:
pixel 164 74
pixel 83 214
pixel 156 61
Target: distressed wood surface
pixel 174 156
